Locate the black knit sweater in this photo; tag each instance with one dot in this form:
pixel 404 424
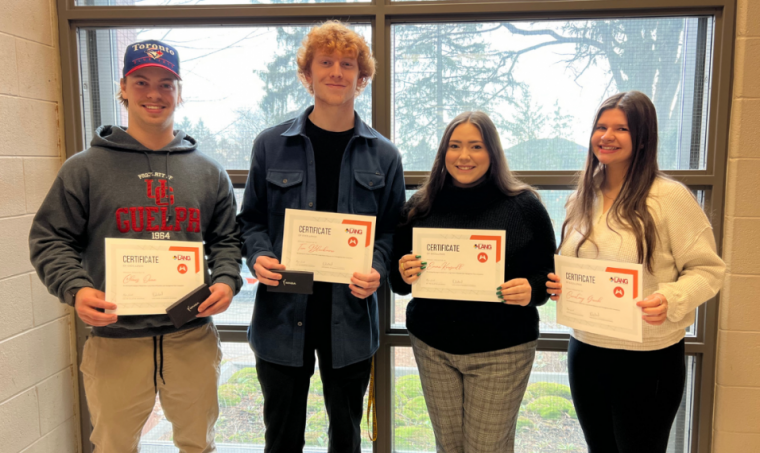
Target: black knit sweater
pixel 459 327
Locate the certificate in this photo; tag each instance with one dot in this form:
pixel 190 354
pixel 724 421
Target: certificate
pixel 461 264
pixel 145 277
pixel 331 245
pixel 600 296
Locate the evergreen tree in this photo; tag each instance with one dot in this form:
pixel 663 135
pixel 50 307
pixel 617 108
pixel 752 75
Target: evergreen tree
pixel 202 134
pixel 529 120
pixel 561 124
pixel 441 70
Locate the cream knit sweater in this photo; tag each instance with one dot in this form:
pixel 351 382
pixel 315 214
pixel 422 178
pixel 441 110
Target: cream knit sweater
pixel 687 269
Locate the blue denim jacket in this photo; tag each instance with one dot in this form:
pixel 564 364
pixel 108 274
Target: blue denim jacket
pixel 283 176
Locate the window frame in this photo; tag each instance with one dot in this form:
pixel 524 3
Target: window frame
pixel 382 14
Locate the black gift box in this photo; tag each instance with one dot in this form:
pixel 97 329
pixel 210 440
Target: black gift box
pixel 186 309
pixel 297 282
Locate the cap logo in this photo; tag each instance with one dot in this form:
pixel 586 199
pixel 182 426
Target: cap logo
pixel 154 54
pixel 150 53
pixel 151 46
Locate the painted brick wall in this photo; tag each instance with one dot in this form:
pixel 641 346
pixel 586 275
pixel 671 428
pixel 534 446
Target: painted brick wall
pixel 737 399
pixel 38 396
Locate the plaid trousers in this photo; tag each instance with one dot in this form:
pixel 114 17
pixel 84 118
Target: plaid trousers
pixel 473 399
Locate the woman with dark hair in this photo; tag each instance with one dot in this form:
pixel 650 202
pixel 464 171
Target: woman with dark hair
pixel 626 393
pixel 475 358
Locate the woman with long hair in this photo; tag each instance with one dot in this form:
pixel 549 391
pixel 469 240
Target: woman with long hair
pixel 475 358
pixel 626 393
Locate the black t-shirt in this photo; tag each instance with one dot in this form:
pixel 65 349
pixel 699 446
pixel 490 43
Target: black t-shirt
pixel 329 148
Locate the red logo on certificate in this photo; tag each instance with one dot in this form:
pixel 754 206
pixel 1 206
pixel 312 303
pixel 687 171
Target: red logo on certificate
pixel 482 257
pixel 182 268
pixel 618 291
pixel 353 242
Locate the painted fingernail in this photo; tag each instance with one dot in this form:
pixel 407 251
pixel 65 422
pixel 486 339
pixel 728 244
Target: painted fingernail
pixel 418 256
pixel 423 267
pixel 419 274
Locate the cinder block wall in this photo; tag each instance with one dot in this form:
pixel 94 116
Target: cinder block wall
pixel 38 397
pixel 737 404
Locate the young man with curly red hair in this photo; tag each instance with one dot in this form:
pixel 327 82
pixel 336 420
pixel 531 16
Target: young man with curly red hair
pixel 326 160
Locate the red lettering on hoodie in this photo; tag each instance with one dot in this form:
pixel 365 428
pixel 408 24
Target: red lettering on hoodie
pixel 161 193
pixel 153 218
pixel 181 216
pixel 149 184
pixel 164 226
pixel 123 226
pixel 151 211
pixel 137 225
pixel 194 224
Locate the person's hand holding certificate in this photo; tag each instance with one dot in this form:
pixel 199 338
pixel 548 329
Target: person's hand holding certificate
pixel 600 296
pixel 331 245
pixel 460 264
pixel 145 277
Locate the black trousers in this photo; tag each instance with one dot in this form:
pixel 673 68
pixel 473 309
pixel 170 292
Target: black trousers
pixel 626 400
pixel 286 389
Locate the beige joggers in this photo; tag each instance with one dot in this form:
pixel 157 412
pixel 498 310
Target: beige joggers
pixel 119 384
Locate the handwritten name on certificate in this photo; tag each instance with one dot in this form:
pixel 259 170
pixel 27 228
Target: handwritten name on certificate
pixel 145 277
pixel 461 264
pixel 331 245
pixel 600 296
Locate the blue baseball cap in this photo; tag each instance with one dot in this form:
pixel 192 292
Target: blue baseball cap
pixel 151 53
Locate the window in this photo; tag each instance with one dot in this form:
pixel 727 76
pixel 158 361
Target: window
pixel 539 69
pixel 541 83
pixel 237 81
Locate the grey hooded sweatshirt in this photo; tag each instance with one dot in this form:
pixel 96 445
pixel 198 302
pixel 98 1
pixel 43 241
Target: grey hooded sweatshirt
pixel 120 189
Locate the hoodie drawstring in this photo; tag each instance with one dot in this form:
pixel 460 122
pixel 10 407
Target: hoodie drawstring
pixel 150 167
pixel 170 212
pixel 158 367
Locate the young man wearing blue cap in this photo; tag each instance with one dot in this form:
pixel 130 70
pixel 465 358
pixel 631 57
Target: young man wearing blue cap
pixel 326 160
pixel 143 182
